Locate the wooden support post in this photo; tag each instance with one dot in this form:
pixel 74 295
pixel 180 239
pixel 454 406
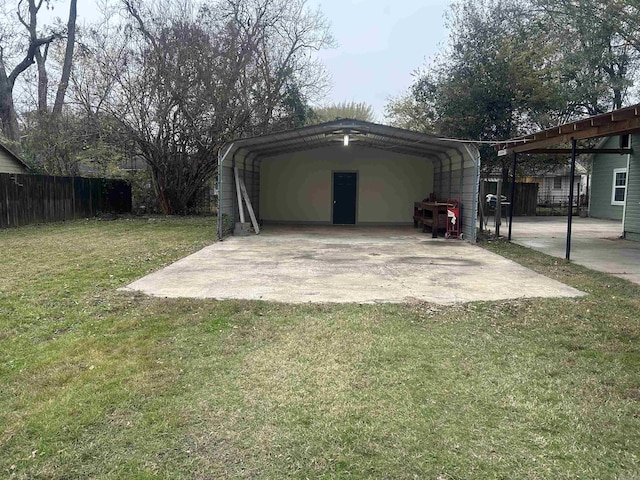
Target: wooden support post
pixel 237 175
pixel 247 200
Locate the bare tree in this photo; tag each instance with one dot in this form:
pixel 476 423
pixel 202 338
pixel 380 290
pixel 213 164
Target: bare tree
pixel 34 50
pixel 353 110
pixel 194 77
pixel 9 76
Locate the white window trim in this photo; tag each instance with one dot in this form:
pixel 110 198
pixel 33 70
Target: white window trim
pixel 553 185
pixel 614 187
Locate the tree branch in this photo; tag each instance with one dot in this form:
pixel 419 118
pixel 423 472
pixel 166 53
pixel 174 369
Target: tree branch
pixel 138 18
pixel 27 61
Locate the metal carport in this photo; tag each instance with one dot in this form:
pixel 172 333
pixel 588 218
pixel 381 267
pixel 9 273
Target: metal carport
pixel 624 121
pixel 455 164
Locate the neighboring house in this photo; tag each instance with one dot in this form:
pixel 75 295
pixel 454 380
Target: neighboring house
pixel 553 187
pixel 135 163
pixel 615 185
pixel 10 162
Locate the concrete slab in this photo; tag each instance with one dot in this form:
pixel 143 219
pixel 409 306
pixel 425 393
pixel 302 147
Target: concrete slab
pixel 347 264
pixel 595 243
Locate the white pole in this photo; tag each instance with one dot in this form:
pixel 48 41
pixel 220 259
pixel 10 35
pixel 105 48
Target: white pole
pixel 240 208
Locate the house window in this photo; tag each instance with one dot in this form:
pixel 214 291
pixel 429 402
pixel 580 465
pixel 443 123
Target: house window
pixel 619 191
pixel 557 183
pixel 625 141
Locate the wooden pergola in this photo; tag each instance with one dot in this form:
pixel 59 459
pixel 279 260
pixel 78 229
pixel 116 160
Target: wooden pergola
pixel 618 122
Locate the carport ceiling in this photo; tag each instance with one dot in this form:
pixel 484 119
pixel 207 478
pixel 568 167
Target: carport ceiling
pixel 360 133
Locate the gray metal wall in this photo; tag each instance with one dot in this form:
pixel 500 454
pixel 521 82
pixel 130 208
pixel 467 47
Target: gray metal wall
pixel 226 201
pixel 229 214
pixel 457 176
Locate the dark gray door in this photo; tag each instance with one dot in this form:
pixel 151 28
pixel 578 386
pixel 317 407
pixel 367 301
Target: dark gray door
pixel 344 198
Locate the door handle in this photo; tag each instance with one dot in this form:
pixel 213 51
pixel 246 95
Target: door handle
pixel 334 202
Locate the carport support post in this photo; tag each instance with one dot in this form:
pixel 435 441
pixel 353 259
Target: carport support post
pixel 512 195
pixel 570 216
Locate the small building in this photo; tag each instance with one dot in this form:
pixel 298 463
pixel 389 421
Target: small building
pixel 346 172
pixel 553 186
pixel 11 162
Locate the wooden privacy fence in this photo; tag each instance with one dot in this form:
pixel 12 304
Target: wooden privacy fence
pixel 526 199
pixel 27 199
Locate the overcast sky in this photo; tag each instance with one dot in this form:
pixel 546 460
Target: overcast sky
pixel 380 43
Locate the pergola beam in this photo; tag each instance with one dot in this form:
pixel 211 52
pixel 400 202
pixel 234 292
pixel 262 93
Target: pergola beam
pixel 618 122
pixel 568 151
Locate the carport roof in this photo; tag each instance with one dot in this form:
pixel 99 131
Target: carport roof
pixel 617 122
pixel 361 133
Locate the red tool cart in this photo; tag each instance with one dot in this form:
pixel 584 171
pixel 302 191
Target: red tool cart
pixel 454 222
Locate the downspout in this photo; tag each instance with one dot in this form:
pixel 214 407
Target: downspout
pixel 626 196
pixel 256 180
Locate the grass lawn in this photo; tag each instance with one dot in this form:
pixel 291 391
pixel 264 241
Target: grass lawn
pixel 97 383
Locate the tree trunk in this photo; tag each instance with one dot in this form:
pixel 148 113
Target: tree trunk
pixel 8 117
pixel 43 80
pixel 617 99
pixel 68 58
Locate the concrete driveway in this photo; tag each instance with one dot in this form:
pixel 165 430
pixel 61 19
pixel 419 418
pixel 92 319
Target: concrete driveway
pixel 348 264
pixel 595 243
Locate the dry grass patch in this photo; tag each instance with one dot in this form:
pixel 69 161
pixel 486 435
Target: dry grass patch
pixel 102 384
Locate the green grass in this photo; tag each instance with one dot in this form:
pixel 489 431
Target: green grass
pixel 100 383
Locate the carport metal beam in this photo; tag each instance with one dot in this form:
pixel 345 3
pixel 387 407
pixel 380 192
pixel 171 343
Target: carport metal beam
pixel 568 151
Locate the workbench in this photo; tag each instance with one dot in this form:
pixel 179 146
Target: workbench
pixel 431 215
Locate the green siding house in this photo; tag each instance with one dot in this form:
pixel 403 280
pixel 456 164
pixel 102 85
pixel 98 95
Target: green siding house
pixel 615 185
pixel 11 162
